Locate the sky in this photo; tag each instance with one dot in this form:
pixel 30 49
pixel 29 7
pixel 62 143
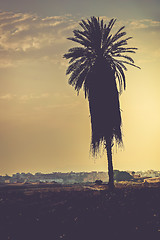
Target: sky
pixel 44 126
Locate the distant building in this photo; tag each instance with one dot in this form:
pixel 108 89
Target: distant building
pixel 71 177
pixel 7 181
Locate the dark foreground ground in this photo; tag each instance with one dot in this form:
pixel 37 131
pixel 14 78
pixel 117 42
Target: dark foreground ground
pixel 49 212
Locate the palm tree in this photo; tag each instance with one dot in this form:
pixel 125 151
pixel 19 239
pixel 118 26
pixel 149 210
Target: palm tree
pixel 98 66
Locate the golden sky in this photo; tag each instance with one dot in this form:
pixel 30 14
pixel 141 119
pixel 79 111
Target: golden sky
pixel 44 125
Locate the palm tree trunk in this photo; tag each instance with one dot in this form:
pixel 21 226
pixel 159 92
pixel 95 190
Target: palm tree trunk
pixel 110 166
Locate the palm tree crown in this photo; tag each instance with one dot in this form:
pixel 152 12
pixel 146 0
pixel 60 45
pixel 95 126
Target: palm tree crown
pixel 98 66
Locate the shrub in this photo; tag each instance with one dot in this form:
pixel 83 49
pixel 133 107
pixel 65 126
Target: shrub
pixel 98 182
pixel 122 176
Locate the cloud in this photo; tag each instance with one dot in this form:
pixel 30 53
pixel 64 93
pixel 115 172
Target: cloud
pixel 27 36
pixel 7 97
pixel 21 32
pixel 144 24
pixel 134 24
pixel 25 97
pixel 31 96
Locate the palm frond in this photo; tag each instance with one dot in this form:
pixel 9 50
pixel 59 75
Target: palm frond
pixel 119 77
pixel 126 49
pixel 85 34
pixel 115 61
pixel 111 23
pixel 121 61
pixel 75 53
pixel 72 67
pixel 106 31
pixel 119 30
pixel 123 76
pixel 124 56
pixel 84 25
pixel 118 44
pixel 116 37
pixel 106 42
pixel 74 75
pixel 82 37
pixel 84 43
pixel 122 50
pixel 81 79
pixel 102 25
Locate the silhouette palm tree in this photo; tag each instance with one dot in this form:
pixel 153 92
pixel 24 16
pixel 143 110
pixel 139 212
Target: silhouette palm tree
pixel 98 66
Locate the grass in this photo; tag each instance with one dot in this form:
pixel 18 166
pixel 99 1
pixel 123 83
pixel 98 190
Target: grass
pixel 51 212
